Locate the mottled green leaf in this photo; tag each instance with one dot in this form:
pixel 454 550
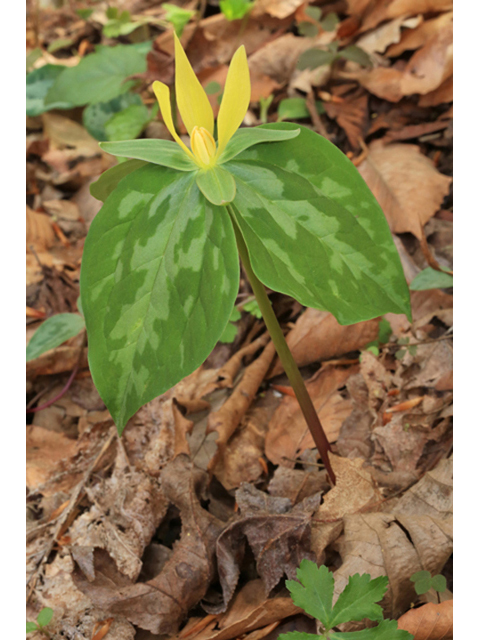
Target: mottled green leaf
pixel 97 115
pixel 431 279
pixel 98 77
pixel 109 179
pixel 314 230
pixel 246 138
pixel 314 592
pixel 39 82
pixel 386 630
pixel 52 332
pixel 158 282
pixel 358 599
pixel 217 185
pixel 163 152
pixel 45 616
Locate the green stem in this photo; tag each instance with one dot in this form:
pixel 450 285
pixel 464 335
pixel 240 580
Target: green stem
pixel 284 353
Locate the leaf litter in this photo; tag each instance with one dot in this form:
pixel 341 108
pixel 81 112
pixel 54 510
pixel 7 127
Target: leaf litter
pixel 189 525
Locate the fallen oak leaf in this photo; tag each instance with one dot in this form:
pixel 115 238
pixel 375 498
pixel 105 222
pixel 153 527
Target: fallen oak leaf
pixel 429 622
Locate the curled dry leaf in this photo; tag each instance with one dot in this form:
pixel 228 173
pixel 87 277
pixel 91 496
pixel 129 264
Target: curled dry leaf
pixel 444 93
pixel 226 420
pixel 45 451
pixel 381 11
pixel 429 622
pixel 318 336
pixel 160 604
pixel 126 510
pixel 288 435
pixel 297 484
pixel 406 184
pixel 40 233
pixel 278 535
pixel 386 34
pixel 352 115
pixel 276 8
pixel 428 68
pixel 416 535
pixel 413 38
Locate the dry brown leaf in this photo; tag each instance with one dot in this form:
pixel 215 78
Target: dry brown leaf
pixel 429 622
pixel 288 435
pixel 416 535
pixel 391 32
pixel 160 604
pixel 297 484
pixel 64 132
pixel 380 11
pixel 39 231
pixel 415 38
pixel 355 439
pixel 278 535
pixel 354 490
pixel 276 8
pixel 443 93
pixel 352 115
pixel 406 184
pixel 318 336
pixel 45 450
pixel 249 610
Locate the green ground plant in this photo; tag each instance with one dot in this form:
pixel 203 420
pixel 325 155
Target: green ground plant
pixel 43 620
pixel 314 594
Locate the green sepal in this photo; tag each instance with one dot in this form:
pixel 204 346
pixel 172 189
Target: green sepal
pixel 245 138
pixel 159 279
pixel 314 231
pixel 217 185
pixel 103 187
pixel 165 153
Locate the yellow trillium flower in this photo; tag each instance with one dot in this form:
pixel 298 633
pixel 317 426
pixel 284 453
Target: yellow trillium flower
pixel 196 111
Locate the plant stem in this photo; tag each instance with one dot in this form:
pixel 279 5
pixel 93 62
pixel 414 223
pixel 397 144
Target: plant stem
pixel 284 353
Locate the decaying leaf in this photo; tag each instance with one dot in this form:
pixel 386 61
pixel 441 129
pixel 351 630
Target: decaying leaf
pixel 288 435
pixel 160 604
pixel 406 184
pixel 278 535
pixel 429 622
pixel 415 535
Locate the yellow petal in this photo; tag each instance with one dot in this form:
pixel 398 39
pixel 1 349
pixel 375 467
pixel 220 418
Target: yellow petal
pixel 236 98
pixel 192 100
pixel 162 93
pixel 203 146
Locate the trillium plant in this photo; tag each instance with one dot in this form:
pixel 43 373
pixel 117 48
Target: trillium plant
pixel 160 270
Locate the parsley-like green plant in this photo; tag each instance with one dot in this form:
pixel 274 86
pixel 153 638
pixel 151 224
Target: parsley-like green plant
pixel 160 268
pixel 314 594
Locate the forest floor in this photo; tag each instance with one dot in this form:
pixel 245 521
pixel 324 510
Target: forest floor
pixel 127 537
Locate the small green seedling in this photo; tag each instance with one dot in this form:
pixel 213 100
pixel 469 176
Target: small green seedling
pixel 311 28
pixel 314 594
pixel 384 333
pixel 43 619
pixel 411 348
pixel 235 9
pixel 424 581
pixel 177 17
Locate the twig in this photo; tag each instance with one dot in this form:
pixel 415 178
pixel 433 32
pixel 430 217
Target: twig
pixel 74 500
pixel 317 121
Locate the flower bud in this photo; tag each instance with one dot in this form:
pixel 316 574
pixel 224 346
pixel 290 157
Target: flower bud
pixel 203 146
